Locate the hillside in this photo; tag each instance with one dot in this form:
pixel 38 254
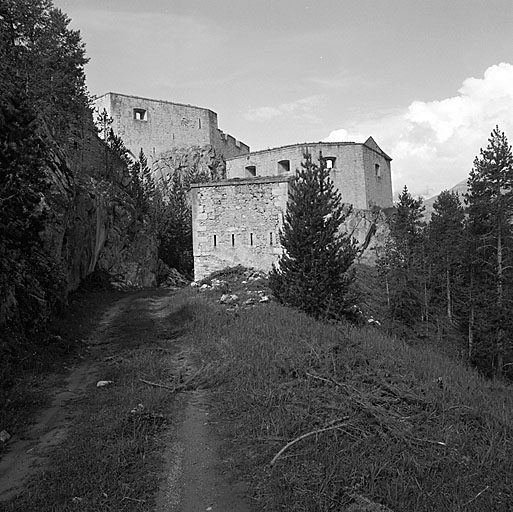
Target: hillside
pixel 331 417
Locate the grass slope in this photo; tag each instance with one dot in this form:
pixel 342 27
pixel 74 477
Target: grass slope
pixel 404 426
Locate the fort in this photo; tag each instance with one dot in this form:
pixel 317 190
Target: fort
pixel 156 126
pixel 238 220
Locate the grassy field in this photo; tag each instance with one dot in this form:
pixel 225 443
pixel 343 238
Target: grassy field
pixel 371 416
pixel 317 415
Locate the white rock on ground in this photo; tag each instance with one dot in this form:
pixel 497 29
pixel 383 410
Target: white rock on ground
pixel 4 436
pixel 103 383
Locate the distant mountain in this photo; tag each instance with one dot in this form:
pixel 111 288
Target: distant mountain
pixel 460 188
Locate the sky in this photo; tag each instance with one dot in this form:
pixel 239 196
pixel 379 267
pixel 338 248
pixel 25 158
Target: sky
pixel 428 79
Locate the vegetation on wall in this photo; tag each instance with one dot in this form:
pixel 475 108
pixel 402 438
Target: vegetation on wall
pixel 314 273
pixel 162 206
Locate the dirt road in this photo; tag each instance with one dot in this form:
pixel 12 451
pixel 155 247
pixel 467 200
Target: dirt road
pixel 194 476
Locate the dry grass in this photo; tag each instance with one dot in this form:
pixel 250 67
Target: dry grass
pixel 403 426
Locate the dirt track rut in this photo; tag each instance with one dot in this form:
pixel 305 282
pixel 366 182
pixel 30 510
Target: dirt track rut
pixel 195 477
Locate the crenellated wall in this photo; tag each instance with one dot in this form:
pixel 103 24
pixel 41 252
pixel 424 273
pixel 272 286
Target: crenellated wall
pixel 157 126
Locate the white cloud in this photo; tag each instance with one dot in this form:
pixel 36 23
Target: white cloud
pixel 434 143
pixel 304 108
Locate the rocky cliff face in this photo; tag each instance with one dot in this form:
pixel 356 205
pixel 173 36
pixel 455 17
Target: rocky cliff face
pixel 92 221
pixel 201 162
pixel 370 229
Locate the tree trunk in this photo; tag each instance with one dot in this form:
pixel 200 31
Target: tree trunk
pixel 471 318
pixel 448 286
pixel 500 298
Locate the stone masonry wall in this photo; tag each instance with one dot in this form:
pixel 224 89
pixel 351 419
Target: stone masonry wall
pixel 378 187
pixel 237 222
pixel 157 126
pixel 353 169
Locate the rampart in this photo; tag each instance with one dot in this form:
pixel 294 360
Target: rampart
pixel 237 222
pixel 360 171
pixel 156 126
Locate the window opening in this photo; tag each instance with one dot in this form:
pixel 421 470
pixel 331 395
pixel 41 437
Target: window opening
pixel 215 240
pixel 283 166
pixel 140 114
pixel 270 239
pixel 251 238
pixel 329 161
pixel 233 240
pixel 199 123
pixel 377 171
pixel 251 171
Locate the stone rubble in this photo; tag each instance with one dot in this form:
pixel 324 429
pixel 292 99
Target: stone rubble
pixel 4 436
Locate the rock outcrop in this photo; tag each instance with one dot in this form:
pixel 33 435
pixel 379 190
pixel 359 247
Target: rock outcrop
pixel 201 162
pixel 369 228
pixel 92 218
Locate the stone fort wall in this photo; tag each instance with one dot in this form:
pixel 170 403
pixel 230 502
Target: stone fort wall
pixel 157 126
pixel 237 222
pixel 361 172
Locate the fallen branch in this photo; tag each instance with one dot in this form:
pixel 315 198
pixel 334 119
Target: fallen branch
pixel 304 436
pixel 157 385
pixel 477 495
pixel 329 380
pixel 174 389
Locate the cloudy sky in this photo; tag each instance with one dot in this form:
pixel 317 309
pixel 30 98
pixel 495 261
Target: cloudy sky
pixel 428 79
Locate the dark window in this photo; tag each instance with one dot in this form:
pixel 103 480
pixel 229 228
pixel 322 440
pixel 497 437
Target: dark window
pixel 251 171
pixel 215 240
pixel 140 114
pixel 377 171
pixel 251 238
pixel 199 123
pixel 283 166
pixel 233 240
pixel 270 239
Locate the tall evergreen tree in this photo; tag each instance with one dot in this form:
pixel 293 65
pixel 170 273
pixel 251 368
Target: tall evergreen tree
pixel 43 59
pixel 314 273
pixel 490 216
pixel 402 263
pixel 446 255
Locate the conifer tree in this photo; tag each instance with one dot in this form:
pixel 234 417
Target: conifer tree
pixel 314 273
pixel 446 254
pixel 402 264
pixel 490 216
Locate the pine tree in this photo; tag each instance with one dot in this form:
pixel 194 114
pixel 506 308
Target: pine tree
pixel 403 264
pixel 490 215
pixel 313 274
pixel 446 254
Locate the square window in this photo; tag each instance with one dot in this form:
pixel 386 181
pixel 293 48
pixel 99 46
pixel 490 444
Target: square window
pixel 140 114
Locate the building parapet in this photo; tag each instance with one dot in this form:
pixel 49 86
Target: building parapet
pixel 244 181
pixel 311 144
pixel 131 96
pixel 230 139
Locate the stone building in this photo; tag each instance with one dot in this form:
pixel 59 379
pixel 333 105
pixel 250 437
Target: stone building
pixel 237 221
pixel 361 172
pixel 157 126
